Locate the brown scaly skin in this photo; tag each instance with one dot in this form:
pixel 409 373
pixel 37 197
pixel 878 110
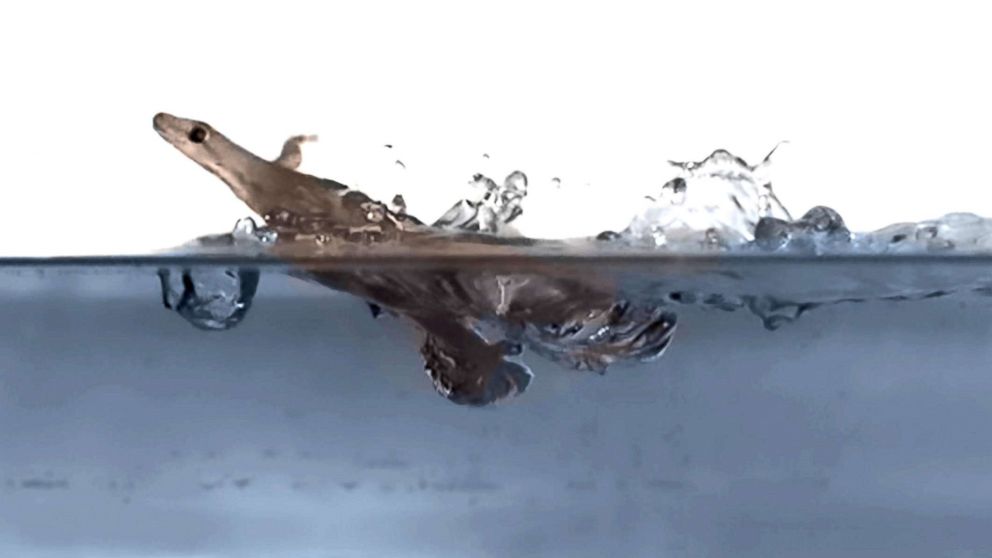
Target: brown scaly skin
pixel 275 189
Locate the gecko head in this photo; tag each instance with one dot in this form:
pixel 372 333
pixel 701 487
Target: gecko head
pixel 197 140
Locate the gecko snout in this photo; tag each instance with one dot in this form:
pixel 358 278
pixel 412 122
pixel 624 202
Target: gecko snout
pixel 162 121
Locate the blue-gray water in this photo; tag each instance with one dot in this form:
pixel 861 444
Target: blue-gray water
pixel 311 431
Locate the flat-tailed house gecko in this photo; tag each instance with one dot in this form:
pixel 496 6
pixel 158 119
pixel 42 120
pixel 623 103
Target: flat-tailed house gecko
pixel 574 322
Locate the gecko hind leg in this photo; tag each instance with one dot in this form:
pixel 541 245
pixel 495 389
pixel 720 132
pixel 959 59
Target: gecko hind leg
pixel 292 155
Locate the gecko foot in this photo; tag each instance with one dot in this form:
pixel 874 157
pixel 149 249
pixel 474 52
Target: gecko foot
pixel 291 155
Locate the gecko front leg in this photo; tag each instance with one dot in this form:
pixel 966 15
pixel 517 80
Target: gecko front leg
pixel 292 155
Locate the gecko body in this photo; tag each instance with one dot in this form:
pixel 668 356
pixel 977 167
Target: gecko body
pixel 275 189
pixel 573 322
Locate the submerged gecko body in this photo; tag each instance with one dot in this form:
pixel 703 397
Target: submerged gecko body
pixel 574 322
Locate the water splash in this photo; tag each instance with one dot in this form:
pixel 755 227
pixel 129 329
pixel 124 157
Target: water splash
pixel 724 204
pixel 496 208
pixel 212 299
pixel 820 230
pixel 476 325
pixel 960 232
pixel 246 231
pixel 713 203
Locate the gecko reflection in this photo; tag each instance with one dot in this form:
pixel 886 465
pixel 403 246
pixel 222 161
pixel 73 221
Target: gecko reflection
pixel 474 323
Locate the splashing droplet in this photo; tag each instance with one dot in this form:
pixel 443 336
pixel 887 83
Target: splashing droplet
pixel 516 181
pixel 246 230
pixel 954 231
pixel 772 234
pixel 821 229
pixel 400 164
pixel 713 240
pixel 721 193
pixel 499 205
pixel 485 155
pixel 556 182
pixel 375 212
pixel 210 298
pixel 398 205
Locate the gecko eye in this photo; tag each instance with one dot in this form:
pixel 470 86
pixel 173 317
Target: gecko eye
pixel 197 135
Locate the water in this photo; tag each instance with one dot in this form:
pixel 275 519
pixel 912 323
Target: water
pixel 311 429
pixel 719 378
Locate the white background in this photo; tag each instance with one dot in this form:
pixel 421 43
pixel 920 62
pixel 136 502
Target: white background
pixel 886 106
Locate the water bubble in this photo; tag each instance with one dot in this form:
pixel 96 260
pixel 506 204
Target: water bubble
pixel 771 233
pixel 210 298
pixel 375 212
pixel 713 239
pixel 673 192
pixel 926 232
pixel 246 230
pixel 824 219
pixel 398 205
pixel 281 218
pixel 677 185
pixel 820 230
pixel 486 219
pixel 462 215
pixel 516 181
pixel 485 155
pixel 488 185
pixel 683 297
pixel 556 182
pixel 497 207
pixel 720 193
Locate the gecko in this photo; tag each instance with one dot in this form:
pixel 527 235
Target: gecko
pixel 275 189
pixel 567 321
pixel 463 367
